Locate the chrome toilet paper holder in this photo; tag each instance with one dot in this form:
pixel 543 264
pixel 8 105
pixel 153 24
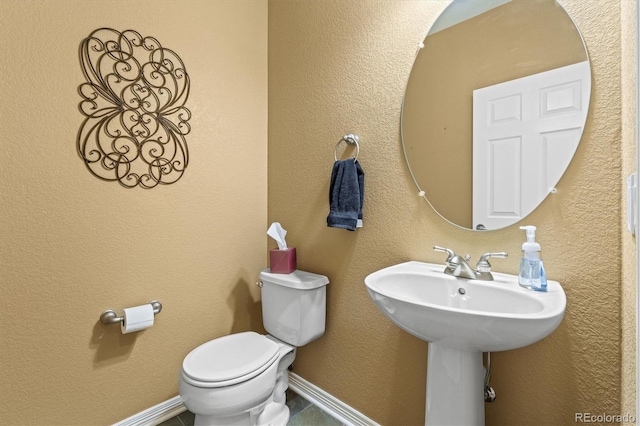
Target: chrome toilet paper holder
pixel 110 317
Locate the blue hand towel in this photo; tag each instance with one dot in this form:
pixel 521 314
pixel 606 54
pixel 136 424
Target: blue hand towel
pixel 346 195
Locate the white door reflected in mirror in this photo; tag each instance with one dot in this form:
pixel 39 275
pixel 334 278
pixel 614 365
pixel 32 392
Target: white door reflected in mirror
pixel 525 133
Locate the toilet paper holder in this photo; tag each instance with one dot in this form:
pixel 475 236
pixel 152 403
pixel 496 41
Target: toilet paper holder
pixel 110 317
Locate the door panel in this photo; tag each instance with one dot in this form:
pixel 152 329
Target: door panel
pixel 542 115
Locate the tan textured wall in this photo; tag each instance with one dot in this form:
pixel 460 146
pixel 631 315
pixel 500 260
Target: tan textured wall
pixel 73 245
pixel 341 66
pixel 628 66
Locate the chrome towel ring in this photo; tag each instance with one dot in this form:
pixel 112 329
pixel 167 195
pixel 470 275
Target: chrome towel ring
pixel 350 139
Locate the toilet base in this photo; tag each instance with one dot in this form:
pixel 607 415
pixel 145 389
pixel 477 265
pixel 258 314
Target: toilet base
pixel 274 414
pixel 270 414
pixel 243 419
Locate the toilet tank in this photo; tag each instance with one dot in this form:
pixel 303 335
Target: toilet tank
pixel 294 305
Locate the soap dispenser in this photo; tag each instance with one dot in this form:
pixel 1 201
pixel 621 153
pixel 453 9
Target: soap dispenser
pixel 532 274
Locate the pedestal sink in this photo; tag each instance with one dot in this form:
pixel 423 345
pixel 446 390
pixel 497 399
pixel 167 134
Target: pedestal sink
pixel 461 319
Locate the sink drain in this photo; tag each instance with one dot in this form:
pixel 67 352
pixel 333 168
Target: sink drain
pixel 462 290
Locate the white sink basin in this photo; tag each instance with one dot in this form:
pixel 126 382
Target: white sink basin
pixel 461 319
pixel 465 314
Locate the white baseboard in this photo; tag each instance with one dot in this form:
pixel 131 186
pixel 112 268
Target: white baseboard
pixel 156 414
pixel 326 402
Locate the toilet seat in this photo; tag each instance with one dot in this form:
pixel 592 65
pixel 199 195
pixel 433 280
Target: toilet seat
pixel 229 360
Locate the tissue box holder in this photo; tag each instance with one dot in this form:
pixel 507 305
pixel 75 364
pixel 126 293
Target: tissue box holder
pixel 282 261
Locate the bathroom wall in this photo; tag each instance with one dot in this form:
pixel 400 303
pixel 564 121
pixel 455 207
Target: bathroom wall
pixel 73 246
pixel 341 66
pixel 628 312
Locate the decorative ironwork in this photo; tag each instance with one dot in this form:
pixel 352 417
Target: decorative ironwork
pixel 134 103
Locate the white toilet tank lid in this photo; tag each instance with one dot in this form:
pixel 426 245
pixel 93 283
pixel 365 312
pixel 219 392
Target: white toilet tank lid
pixel 229 357
pixel 297 279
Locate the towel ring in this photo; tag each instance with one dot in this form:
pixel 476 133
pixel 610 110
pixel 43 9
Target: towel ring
pixel 350 139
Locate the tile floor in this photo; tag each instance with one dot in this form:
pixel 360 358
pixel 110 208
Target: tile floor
pixel 303 413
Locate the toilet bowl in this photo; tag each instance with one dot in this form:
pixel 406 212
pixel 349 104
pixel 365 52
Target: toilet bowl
pixel 241 379
pixel 229 380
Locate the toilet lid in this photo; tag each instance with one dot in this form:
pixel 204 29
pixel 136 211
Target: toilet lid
pixel 229 357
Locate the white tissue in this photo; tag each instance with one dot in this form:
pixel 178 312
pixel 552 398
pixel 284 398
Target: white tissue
pixel 277 232
pixel 137 318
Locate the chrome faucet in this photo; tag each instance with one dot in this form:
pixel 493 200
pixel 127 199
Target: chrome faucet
pixel 483 267
pixel 458 266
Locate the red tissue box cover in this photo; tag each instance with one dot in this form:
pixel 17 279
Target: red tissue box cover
pixel 282 261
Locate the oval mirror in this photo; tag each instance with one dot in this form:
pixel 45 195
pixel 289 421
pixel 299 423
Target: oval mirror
pixel 494 109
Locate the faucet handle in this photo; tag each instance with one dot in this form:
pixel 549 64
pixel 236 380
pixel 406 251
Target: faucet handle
pixel 449 252
pixel 483 264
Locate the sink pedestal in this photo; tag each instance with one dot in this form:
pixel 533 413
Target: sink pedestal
pixel 455 387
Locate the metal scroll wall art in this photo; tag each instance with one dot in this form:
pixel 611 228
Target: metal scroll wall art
pixel 134 102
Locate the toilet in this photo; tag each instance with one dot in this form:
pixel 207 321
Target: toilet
pixel 241 379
